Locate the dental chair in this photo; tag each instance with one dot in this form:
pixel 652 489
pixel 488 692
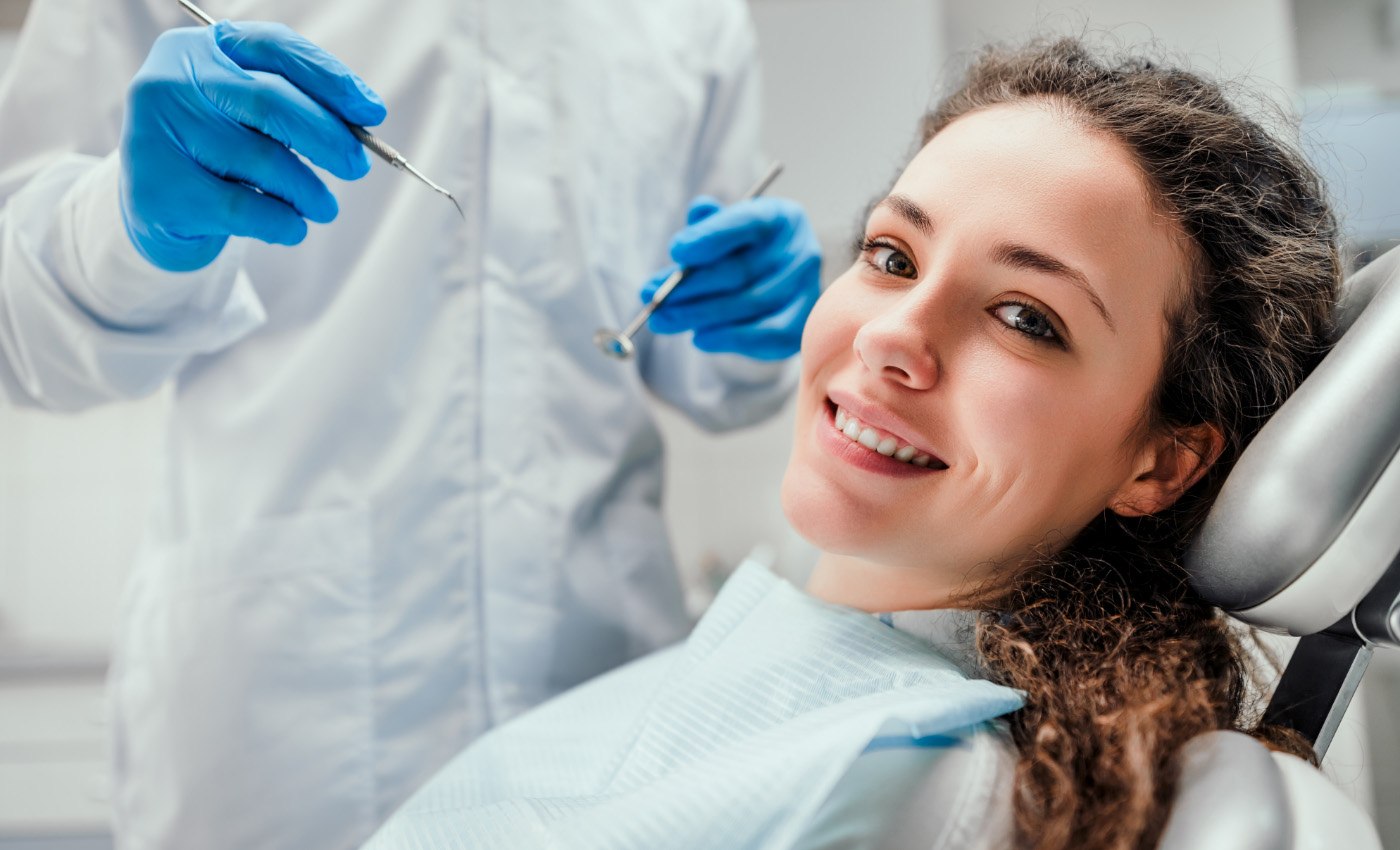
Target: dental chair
pixel 1304 539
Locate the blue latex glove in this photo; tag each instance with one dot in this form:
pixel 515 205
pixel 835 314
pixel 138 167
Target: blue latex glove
pixel 752 275
pixel 210 119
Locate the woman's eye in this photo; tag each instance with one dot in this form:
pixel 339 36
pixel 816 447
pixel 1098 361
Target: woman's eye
pixel 890 260
pixel 1028 320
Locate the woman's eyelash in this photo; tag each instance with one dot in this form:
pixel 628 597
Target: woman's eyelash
pixel 864 244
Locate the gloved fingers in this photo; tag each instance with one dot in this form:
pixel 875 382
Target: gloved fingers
pixel 702 208
pixel 275 107
pixel 225 207
pixel 246 156
pixel 766 297
pixel 277 49
pixel 243 211
pixel 774 337
pixel 757 221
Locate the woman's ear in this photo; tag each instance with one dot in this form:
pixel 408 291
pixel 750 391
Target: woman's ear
pixel 1167 467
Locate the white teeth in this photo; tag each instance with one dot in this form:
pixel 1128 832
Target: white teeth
pixel 871 439
pixel 868 438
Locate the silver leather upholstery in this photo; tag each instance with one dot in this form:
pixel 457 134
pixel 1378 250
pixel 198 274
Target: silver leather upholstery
pixel 1231 797
pixel 1310 470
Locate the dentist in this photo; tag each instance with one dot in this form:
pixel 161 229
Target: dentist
pixel 403 498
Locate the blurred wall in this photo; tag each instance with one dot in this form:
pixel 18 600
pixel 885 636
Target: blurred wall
pixel 1349 42
pixel 1253 39
pixel 1349 70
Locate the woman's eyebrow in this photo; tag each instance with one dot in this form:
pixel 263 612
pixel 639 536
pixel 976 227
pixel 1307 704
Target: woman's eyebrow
pixel 911 212
pixel 1023 257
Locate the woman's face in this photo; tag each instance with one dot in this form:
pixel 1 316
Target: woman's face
pixel 1006 319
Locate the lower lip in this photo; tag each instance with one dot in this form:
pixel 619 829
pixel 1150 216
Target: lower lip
pixel 859 456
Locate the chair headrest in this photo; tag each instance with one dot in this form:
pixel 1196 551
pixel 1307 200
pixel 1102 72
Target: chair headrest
pixel 1305 524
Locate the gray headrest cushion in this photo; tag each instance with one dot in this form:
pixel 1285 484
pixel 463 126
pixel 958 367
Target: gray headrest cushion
pixel 1313 463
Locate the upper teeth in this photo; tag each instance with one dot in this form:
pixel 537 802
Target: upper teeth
pixel 873 440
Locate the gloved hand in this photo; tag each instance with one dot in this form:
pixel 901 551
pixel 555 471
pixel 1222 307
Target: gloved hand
pixel 752 275
pixel 210 119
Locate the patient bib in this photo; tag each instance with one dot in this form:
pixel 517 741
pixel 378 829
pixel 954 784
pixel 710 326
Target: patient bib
pixel 730 740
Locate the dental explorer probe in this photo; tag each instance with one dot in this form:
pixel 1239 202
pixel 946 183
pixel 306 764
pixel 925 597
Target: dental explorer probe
pixel 368 139
pixel 620 345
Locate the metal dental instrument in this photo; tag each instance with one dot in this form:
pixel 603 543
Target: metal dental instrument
pixel 368 139
pixel 619 344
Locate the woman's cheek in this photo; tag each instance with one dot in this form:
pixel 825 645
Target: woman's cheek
pixel 833 323
pixel 1006 391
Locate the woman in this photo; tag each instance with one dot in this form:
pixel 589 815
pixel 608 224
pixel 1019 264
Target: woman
pixel 1087 291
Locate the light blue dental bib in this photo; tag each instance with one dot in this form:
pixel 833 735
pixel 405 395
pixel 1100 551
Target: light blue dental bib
pixel 730 740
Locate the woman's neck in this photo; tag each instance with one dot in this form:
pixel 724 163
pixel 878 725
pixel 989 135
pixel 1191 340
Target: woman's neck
pixel 868 586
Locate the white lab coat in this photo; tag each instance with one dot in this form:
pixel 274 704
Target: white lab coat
pixel 404 498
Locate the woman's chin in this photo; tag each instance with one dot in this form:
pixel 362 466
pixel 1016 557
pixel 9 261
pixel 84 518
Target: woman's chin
pixel 825 517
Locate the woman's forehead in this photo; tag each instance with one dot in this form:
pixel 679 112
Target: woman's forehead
pixel 1030 152
pixel 1029 173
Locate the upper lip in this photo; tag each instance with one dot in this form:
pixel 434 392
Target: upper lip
pixel 869 413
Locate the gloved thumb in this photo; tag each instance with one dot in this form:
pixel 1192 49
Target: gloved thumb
pixel 702 208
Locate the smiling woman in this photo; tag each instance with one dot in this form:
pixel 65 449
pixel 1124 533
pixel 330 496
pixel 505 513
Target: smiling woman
pixel 1084 295
pixel 1006 315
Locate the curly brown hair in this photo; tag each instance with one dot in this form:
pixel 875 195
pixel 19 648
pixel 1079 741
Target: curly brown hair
pixel 1122 662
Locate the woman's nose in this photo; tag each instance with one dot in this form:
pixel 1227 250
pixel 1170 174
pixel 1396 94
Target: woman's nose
pixel 895 348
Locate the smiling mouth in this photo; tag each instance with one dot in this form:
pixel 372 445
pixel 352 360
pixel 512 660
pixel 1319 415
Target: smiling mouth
pixel 880 442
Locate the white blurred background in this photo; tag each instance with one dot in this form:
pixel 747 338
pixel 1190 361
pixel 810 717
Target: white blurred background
pixel 845 82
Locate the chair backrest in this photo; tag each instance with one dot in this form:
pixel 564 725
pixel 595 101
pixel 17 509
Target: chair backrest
pixel 1304 527
pixel 1303 537
pixel 1233 794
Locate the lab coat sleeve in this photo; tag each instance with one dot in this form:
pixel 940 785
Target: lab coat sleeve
pixel 84 319
pixel 720 392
